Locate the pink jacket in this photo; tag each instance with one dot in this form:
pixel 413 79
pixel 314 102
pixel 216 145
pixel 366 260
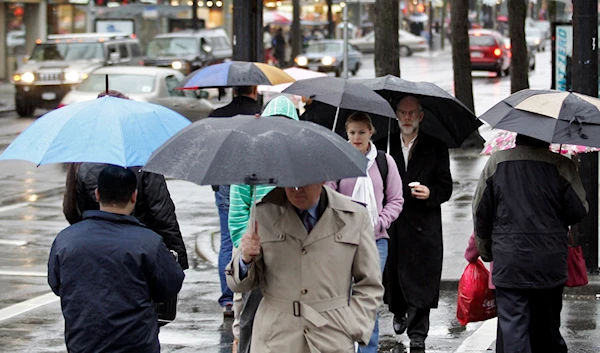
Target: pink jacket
pixel 471 255
pixel 394 199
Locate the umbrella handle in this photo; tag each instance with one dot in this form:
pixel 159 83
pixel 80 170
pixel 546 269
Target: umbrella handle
pixel 337 112
pixel 253 209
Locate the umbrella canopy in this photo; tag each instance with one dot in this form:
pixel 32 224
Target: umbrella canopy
pixel 343 94
pixel 549 115
pixel 446 118
pixel 104 130
pixel 235 73
pixel 277 17
pixel 257 151
pixel 505 140
pixel 297 74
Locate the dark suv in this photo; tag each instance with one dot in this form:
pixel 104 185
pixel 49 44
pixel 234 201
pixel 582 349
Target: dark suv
pixel 187 51
pixel 63 61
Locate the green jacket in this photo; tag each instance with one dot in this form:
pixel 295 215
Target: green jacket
pixel 240 202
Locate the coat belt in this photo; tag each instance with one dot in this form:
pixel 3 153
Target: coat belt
pixel 310 310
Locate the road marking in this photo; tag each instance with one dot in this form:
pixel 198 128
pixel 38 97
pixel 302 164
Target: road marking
pixel 23 273
pixel 27 305
pixel 481 339
pixel 14 206
pixel 13 242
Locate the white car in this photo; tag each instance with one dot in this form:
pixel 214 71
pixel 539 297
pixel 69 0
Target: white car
pixel 147 84
pixel 409 43
pixel 536 40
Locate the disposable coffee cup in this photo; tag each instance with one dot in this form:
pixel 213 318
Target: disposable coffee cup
pixel 413 184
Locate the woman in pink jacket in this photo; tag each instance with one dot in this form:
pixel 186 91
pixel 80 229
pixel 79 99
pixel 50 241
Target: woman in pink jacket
pixel 383 199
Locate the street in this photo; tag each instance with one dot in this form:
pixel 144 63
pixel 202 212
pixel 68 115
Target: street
pixel 31 216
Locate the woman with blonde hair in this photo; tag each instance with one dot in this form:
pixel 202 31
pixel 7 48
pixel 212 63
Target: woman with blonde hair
pixel 380 191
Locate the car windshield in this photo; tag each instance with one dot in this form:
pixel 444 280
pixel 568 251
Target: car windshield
pixel 481 41
pixel 172 47
pixel 127 83
pixel 324 48
pixel 532 32
pixel 68 51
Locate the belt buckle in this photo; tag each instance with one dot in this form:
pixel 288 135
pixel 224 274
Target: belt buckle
pixel 296 305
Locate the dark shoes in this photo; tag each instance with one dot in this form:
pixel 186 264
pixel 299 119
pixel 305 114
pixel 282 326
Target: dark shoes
pixel 417 345
pixel 399 324
pixel 228 310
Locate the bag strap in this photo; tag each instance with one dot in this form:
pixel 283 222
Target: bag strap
pixel 382 164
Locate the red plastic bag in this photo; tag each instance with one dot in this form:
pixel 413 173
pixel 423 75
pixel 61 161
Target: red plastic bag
pixel 476 301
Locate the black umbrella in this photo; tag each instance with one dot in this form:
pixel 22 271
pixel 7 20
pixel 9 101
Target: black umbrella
pixel 446 118
pixel 342 93
pixel 549 115
pixel 257 151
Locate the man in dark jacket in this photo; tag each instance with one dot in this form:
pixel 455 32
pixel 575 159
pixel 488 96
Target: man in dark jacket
pixel 525 200
pixel 244 102
pixel 414 266
pixel 154 207
pixel 108 269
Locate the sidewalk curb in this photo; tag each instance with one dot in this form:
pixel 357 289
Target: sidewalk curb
pixel 203 246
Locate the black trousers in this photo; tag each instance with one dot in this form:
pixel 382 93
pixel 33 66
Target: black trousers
pixel 417 320
pixel 530 320
pixel 251 301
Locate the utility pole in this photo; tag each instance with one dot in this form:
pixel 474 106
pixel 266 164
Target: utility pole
pixel 585 80
pixel 195 21
pixel 248 30
pixel 345 62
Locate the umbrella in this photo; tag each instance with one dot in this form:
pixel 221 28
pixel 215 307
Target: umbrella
pixel 446 118
pixel 297 74
pixel 103 130
pixel 505 140
pixel 235 73
pixel 277 17
pixel 549 115
pixel 257 151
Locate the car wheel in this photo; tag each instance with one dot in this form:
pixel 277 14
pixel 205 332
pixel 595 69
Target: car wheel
pixel 24 109
pixel 499 71
pixel 355 71
pixel 338 72
pixel 405 51
pixel 507 71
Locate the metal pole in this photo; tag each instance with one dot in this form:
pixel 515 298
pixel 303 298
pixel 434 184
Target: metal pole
pixel 345 62
pixel 195 21
pixel 585 80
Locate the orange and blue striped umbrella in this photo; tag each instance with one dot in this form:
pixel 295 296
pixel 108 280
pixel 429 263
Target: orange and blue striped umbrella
pixel 235 73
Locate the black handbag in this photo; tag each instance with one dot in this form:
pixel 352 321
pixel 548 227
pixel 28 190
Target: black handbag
pixel 167 310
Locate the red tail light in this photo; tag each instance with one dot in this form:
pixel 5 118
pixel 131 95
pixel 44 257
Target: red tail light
pixel 61 105
pixel 141 62
pixel 497 52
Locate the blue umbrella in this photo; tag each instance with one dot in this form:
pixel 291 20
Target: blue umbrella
pixel 104 130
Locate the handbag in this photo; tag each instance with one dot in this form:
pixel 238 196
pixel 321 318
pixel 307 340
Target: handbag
pixel 576 268
pixel 167 311
pixel 476 302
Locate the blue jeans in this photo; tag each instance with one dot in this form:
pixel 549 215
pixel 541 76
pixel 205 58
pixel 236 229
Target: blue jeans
pixel 373 345
pixel 222 201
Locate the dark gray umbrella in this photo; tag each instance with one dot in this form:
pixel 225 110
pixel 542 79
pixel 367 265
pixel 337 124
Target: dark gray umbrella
pixel 342 93
pixel 257 151
pixel 549 115
pixel 446 118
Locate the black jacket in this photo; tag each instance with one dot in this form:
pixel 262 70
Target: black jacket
pixel 154 207
pixel 239 105
pixel 525 200
pixel 107 270
pixel 416 250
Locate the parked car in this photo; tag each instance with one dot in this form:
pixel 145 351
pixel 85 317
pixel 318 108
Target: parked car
pixel 328 56
pixel 188 51
pixel 63 61
pixel 488 51
pixel 409 43
pixel 146 84
pixel 536 40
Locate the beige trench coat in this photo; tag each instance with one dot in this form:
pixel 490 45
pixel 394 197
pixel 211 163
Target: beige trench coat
pixel 306 278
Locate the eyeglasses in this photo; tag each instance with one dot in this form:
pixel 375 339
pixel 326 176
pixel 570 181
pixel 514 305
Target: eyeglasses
pixel 411 113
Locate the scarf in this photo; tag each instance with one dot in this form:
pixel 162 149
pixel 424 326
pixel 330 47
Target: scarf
pixel 363 190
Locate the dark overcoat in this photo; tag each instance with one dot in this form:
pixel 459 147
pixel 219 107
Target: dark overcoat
pixel 414 265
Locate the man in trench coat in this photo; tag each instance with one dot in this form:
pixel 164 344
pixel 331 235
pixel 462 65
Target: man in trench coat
pixel 314 256
pixel 414 266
